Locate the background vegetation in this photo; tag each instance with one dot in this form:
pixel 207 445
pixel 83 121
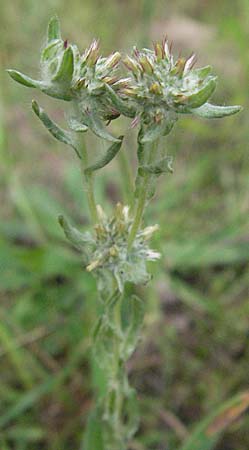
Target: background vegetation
pixel 195 351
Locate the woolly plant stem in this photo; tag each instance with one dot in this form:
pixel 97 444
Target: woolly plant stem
pixel 142 196
pixel 88 182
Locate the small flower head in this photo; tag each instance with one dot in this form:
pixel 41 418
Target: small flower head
pixel 68 75
pixel 161 87
pixel 111 252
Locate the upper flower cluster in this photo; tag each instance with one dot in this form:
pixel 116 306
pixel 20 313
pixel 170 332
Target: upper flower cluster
pixel 159 84
pixel 155 91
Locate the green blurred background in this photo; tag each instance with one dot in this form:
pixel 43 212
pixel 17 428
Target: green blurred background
pixel 194 352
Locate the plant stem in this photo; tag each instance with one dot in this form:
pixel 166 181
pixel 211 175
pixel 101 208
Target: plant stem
pixel 126 175
pixel 88 183
pixel 142 197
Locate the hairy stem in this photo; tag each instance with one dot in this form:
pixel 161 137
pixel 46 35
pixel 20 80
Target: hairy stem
pixel 126 176
pixel 142 196
pixel 88 182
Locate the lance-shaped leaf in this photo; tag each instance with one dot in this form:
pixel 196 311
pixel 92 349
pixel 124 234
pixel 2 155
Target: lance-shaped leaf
pixel 107 158
pixel 161 166
pixel 53 29
pixel 91 119
pixel 203 72
pixel 66 68
pixel 75 125
pixel 23 79
pixel 209 111
pixel 135 320
pixel 51 50
pixel 156 130
pixel 81 241
pixel 59 134
pixel 152 132
pixel 200 97
pixel 207 433
pixel 120 104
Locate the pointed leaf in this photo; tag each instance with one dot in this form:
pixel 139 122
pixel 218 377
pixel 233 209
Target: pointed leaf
pixel 51 50
pixel 107 158
pixel 78 239
pixel 59 134
pixel 203 72
pixel 75 125
pixel 162 166
pixel 53 29
pixel 92 120
pixel 200 97
pixel 209 111
pixel 207 433
pixel 120 104
pixel 66 69
pixel 23 79
pixel 135 319
pixel 153 132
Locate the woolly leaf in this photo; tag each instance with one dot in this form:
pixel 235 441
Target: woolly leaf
pixel 23 79
pixel 51 50
pixel 92 120
pixel 53 29
pixel 120 104
pixel 200 97
pixel 107 158
pixel 162 166
pixel 79 240
pixel 209 111
pixel 152 132
pixel 66 68
pixel 76 125
pixel 59 134
pixel 135 320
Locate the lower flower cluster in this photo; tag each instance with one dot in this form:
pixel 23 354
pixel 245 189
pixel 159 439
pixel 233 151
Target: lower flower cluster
pixel 106 249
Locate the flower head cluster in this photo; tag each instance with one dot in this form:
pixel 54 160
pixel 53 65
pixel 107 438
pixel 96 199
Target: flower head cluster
pixel 155 91
pixel 107 249
pixel 83 79
pixel 161 87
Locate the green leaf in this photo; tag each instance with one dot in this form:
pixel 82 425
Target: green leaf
pixel 155 130
pixel 200 97
pixel 66 68
pixel 209 111
pixel 135 320
pixel 207 433
pixel 59 134
pixel 51 50
pixel 152 132
pixel 75 125
pixel 107 158
pixel 91 119
pixel 162 166
pixel 23 79
pixel 94 432
pixel 79 240
pixel 53 29
pixel 121 106
pixel 203 72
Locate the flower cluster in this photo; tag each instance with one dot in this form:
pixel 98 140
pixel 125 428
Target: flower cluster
pixel 161 87
pixel 107 249
pixel 154 92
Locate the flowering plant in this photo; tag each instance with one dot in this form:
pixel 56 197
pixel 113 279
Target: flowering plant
pixel 154 92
